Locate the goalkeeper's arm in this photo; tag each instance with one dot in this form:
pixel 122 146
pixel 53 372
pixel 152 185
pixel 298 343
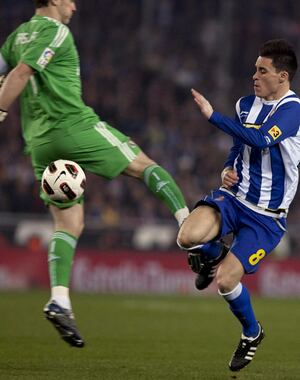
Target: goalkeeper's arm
pixel 12 87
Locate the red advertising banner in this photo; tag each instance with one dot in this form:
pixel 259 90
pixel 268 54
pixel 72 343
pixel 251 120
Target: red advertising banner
pixel 138 272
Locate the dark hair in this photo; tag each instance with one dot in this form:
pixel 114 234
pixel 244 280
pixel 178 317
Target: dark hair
pixel 41 3
pixel 282 54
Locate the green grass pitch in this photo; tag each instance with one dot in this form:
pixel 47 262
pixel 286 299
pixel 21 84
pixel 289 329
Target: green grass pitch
pixel 144 337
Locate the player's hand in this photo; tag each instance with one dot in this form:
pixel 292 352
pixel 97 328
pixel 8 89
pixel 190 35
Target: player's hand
pixel 229 178
pixel 204 105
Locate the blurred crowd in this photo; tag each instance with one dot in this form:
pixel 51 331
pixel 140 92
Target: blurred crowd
pixel 139 60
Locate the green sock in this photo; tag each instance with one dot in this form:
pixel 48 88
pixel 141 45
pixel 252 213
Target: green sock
pixel 163 186
pixel 60 258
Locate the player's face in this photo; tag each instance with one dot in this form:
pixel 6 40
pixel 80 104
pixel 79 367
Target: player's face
pixel 267 80
pixel 66 8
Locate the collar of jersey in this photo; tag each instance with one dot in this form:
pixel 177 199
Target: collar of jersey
pixel 45 17
pixel 273 102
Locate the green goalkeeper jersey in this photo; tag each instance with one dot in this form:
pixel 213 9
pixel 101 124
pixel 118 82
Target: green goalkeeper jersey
pixel 52 98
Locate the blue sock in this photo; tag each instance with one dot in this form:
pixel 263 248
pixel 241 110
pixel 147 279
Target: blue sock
pixel 211 250
pixel 240 305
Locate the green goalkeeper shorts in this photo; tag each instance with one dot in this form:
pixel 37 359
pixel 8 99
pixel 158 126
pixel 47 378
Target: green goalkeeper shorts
pixel 99 149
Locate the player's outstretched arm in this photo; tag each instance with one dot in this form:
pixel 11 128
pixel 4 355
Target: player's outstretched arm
pixel 204 105
pixel 12 87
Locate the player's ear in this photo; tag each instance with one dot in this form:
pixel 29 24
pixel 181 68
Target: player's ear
pixel 284 75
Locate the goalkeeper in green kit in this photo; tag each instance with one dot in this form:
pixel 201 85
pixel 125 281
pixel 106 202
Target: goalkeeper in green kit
pixel 42 66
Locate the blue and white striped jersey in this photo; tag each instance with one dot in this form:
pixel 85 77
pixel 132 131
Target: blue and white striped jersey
pixel 266 150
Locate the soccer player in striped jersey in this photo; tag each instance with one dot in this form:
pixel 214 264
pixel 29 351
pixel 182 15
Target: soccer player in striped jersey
pixel 259 182
pixel 44 70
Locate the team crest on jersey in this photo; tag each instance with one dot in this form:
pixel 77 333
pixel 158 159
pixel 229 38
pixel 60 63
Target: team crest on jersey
pixel 45 57
pixel 275 132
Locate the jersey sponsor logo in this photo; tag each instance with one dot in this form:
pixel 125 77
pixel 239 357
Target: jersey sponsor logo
pixel 249 125
pixel 25 38
pixel 45 57
pixel 275 132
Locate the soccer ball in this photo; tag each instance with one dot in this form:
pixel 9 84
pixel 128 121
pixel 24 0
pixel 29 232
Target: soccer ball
pixel 63 180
